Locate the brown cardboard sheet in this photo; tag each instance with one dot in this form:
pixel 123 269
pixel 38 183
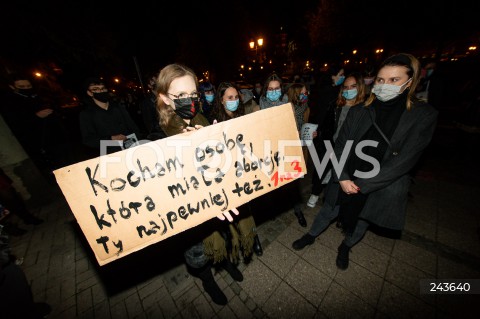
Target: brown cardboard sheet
pixel 128 200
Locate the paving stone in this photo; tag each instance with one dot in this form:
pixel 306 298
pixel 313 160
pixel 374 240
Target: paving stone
pixel 309 282
pixel 370 258
pixel 341 303
pixel 399 304
pixel 259 282
pixel 239 308
pixel 416 256
pixel 150 287
pixel 408 278
pixel 119 310
pixel 133 305
pixel 361 282
pixel 101 310
pixel 203 307
pixel 84 301
pixel 279 258
pixel 287 303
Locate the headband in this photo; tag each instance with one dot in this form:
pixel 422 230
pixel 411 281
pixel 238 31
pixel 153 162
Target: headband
pixel 399 59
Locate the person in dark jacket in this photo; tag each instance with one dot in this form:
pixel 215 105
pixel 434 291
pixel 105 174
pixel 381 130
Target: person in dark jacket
pixel 148 107
pixel 207 99
pixel 325 92
pixel 352 92
pixel 37 125
pixel 274 95
pixel 372 185
pixel 431 87
pixel 104 120
pixel 227 106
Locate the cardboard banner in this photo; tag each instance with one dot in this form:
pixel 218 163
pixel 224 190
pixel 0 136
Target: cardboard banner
pixel 131 199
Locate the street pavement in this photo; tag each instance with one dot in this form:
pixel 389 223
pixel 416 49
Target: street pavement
pixel 440 241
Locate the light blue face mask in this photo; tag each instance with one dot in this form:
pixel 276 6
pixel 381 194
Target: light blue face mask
pixel 232 106
pixel 340 80
pixel 209 98
pixel 274 95
pixel 350 94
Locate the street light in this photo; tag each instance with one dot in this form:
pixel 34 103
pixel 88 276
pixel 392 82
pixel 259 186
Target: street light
pixel 256 45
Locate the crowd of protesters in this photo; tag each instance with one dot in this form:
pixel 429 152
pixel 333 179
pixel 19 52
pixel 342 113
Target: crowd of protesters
pixel 53 139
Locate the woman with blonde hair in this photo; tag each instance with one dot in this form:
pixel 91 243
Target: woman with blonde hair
pixel 178 106
pixel 389 133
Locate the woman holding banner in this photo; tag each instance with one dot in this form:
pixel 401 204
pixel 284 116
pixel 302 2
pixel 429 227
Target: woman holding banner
pixel 178 107
pixel 227 106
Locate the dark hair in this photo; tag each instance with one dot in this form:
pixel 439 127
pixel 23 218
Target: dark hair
pixel 151 82
pixel 272 77
pixel 202 88
pixel 218 112
pixel 205 86
pixel 92 81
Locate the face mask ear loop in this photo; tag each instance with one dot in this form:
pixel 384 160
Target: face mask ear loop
pixel 406 88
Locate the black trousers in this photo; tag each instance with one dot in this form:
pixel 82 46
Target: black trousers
pixel 16 300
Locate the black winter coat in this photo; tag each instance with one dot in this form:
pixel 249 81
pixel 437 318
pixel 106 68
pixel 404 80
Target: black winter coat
pixel 97 124
pixel 387 201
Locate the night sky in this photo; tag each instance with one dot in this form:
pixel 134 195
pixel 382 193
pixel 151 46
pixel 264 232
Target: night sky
pixel 98 37
pixel 151 30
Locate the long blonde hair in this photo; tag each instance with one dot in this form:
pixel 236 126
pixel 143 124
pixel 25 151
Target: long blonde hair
pixel 169 120
pixel 413 70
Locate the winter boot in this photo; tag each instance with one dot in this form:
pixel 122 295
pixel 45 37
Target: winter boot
pixel 257 246
pixel 210 286
pixel 343 256
pixel 301 243
pixel 232 270
pixel 301 219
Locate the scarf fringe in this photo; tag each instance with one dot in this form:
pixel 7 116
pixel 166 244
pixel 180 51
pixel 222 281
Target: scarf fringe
pixel 242 239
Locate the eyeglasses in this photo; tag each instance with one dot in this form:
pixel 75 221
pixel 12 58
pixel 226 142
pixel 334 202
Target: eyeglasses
pixel 194 95
pixel 97 89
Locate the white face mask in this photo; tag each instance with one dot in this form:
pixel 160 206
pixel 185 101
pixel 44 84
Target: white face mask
pixel 386 92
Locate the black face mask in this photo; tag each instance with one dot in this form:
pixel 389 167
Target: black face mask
pixel 103 97
pixel 186 108
pixel 27 92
